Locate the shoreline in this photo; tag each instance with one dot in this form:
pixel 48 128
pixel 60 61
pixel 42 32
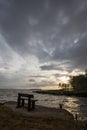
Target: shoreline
pixel 61 92
pixel 41 111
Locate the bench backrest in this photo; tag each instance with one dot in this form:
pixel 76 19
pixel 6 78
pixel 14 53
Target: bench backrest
pixel 25 95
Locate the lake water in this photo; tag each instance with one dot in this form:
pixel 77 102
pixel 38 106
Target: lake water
pixel 75 105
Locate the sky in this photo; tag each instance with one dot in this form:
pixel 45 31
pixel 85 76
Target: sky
pixel 42 42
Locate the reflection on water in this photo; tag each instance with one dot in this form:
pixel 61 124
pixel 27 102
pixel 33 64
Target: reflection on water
pixel 76 105
pixel 72 105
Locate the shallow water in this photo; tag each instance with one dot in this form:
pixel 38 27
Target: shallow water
pixel 76 105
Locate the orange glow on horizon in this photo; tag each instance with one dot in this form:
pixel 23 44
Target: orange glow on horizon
pixel 51 88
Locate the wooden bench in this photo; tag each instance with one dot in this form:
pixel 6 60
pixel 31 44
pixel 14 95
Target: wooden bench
pixel 22 101
pixel 29 97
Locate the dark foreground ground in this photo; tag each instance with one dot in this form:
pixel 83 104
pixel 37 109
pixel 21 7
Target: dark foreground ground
pixel 12 120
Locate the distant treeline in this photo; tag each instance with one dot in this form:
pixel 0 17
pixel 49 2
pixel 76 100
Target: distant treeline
pixel 79 82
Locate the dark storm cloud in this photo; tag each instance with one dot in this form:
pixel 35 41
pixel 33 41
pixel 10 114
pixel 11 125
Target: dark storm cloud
pixel 60 66
pixel 56 23
pixel 58 75
pixel 31 80
pixel 77 54
pixel 38 76
pixel 16 26
pixel 47 67
pixel 50 67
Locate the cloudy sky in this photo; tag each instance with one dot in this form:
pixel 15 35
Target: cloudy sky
pixel 42 42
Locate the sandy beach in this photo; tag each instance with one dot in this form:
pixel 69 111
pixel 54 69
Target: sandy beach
pixel 41 118
pixel 41 111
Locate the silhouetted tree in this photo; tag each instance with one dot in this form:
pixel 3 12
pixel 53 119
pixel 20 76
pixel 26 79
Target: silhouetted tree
pixel 86 72
pixel 60 84
pixel 79 82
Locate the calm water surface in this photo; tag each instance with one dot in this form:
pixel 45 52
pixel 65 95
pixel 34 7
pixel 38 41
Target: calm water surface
pixel 76 105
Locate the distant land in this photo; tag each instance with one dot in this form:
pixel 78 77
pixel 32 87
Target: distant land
pixel 64 92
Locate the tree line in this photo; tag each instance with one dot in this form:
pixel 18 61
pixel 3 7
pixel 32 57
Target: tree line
pixel 78 82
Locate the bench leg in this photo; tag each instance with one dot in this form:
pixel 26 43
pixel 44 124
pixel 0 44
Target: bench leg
pixel 33 104
pixel 22 102
pixel 29 104
pixel 18 101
